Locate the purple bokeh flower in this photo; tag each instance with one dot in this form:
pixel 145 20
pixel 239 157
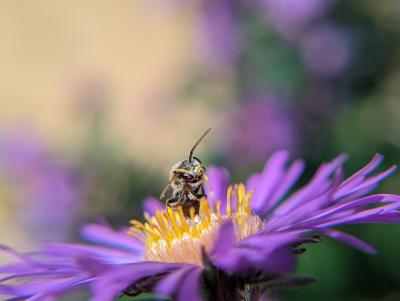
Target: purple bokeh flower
pixel 290 18
pixel 219 32
pixel 239 237
pixel 257 129
pixel 220 23
pixel 44 186
pixel 327 50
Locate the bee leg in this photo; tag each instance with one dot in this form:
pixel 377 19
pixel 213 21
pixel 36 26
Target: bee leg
pixel 199 192
pixel 174 201
pixel 171 202
pixel 192 201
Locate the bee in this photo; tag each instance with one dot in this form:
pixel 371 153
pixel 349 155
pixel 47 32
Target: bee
pixel 186 181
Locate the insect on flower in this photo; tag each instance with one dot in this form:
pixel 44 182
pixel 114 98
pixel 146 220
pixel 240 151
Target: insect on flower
pixel 241 245
pixel 186 181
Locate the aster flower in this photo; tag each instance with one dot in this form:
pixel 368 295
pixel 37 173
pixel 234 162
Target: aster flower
pixel 242 241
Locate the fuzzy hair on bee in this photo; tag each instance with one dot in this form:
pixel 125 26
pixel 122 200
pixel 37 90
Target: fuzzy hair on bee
pixel 186 182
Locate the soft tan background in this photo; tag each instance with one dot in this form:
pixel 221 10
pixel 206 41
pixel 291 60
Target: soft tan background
pixel 51 52
pixel 137 50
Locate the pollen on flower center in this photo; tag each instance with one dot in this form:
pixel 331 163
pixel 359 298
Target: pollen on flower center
pixel 169 236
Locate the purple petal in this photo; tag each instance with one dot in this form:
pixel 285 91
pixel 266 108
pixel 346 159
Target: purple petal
pixel 218 181
pixel 318 184
pixel 41 298
pixel 267 252
pixel 170 283
pixel 287 182
pixel 110 284
pixel 350 240
pixel 341 212
pixel 309 206
pixel 45 286
pixel 102 254
pixel 267 181
pixel 225 239
pixel 369 183
pixel 388 217
pixel 364 215
pixel 9 290
pixel 190 288
pixel 333 210
pixel 106 236
pixel 371 166
pixel 31 274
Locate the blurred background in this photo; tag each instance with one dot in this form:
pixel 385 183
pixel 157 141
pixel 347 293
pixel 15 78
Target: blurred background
pixel 98 99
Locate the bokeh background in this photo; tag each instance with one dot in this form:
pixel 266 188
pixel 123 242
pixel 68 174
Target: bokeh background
pixel 98 99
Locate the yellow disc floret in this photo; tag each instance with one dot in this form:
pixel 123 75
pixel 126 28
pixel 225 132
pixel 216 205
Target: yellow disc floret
pixel 170 236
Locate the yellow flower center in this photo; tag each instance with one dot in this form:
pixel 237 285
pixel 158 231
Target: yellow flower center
pixel 169 236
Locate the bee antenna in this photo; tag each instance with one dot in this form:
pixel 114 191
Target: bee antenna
pixel 197 143
pixel 166 189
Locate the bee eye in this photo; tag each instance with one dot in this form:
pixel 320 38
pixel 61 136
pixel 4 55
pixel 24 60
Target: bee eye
pixel 185 176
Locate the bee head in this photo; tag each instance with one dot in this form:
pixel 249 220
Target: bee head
pixel 189 171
